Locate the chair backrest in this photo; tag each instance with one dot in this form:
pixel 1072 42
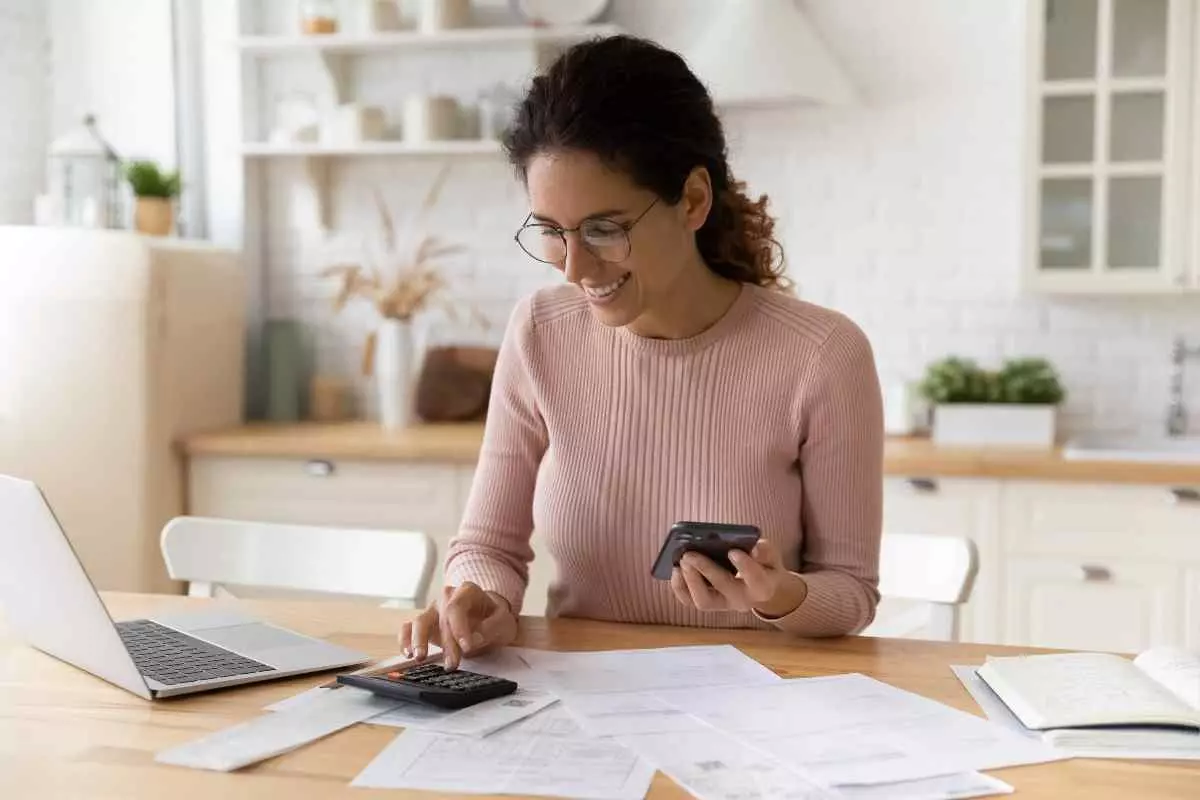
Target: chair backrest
pixel 939 571
pixel 208 552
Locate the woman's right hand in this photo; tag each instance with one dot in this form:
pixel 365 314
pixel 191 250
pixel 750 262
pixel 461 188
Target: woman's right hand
pixel 464 621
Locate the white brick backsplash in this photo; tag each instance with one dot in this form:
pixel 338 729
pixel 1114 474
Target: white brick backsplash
pixel 23 99
pixel 903 211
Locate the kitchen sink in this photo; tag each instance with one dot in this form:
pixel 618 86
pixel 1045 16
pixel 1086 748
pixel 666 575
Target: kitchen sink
pixel 1173 449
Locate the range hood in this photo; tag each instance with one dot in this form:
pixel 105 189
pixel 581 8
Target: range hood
pixel 766 53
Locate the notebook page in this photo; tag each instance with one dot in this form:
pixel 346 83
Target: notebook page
pixel 1083 689
pixel 1176 669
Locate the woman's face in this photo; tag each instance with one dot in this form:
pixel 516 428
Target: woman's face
pixel 633 249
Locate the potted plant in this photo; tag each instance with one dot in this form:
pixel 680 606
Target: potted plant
pixel 1015 405
pixel 155 190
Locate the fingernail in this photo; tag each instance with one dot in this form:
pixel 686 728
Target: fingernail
pixel 464 642
pixel 477 639
pixel 420 652
pixel 407 652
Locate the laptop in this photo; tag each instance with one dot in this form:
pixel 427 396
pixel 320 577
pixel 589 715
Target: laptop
pixel 48 599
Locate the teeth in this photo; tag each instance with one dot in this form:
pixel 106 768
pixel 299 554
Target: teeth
pixel 605 291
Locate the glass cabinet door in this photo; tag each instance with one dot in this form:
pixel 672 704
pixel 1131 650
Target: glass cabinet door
pixel 1109 91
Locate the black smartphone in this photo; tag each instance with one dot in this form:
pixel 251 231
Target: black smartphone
pixel 713 539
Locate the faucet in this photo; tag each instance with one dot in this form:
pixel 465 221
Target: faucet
pixel 1177 418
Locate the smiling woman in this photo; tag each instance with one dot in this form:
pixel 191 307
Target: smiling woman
pixel 673 377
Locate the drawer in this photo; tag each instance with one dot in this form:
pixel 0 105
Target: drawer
pixel 1120 605
pixel 425 497
pixel 1101 520
pixel 950 507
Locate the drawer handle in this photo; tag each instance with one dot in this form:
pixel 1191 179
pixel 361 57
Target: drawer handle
pixel 1096 574
pixel 1186 495
pixel 926 485
pixel 319 468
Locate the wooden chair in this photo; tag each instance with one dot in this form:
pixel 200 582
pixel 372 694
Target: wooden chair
pixel 938 572
pixel 211 554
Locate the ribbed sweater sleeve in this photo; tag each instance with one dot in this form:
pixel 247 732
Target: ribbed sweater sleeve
pixel 841 463
pixel 492 546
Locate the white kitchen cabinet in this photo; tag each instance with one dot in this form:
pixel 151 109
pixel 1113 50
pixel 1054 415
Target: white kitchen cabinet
pixel 1191 616
pixel 428 497
pixel 1079 604
pixel 1110 159
pixel 1096 566
pixel 954 507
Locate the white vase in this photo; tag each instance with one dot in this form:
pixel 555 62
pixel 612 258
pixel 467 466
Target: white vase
pixel 397 361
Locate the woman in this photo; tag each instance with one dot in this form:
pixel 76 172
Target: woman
pixel 671 378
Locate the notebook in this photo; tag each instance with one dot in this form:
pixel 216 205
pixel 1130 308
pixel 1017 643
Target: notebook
pixel 1103 700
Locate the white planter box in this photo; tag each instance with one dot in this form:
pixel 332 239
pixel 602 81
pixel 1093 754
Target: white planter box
pixel 1001 424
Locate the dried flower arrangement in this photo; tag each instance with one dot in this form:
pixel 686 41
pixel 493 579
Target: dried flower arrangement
pixel 407 282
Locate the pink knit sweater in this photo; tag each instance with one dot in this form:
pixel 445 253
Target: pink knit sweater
pixel 600 439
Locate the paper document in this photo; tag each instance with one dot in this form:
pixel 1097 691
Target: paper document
pixel 851 729
pixel 944 787
pixel 613 692
pixel 1129 743
pixel 272 734
pixel 713 765
pixel 545 755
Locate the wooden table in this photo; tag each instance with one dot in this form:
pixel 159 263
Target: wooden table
pixel 66 734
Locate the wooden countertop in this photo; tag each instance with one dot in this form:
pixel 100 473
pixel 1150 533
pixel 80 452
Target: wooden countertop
pixel 459 443
pixel 67 734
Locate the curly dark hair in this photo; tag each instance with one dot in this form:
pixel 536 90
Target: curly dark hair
pixel 637 106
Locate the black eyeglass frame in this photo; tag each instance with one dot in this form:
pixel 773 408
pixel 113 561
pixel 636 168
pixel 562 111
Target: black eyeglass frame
pixel 626 228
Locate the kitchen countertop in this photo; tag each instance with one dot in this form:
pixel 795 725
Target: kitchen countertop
pixel 458 443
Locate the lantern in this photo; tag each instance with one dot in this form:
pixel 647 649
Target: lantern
pixel 85 179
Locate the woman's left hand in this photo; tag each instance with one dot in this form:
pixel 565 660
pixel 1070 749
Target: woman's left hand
pixel 762 583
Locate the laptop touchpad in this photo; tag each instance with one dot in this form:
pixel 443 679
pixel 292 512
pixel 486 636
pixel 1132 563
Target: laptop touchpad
pixel 251 637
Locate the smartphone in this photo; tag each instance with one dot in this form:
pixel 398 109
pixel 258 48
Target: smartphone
pixel 713 539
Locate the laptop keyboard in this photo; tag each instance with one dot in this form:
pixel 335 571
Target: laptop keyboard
pixel 171 657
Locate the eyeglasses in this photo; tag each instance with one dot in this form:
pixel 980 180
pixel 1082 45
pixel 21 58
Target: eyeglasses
pixel 606 239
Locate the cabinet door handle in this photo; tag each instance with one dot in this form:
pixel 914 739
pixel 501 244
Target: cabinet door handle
pixel 319 468
pixel 1093 573
pixel 925 485
pixel 1185 495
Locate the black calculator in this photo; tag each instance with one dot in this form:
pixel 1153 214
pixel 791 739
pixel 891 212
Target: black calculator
pixel 433 685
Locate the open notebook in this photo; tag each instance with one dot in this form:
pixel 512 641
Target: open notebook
pixel 1100 700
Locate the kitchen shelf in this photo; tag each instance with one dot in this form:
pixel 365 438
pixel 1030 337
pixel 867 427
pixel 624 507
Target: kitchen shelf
pixel 447 148
pixel 349 43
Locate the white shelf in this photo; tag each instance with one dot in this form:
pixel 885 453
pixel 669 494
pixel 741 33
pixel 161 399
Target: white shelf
pixel 413 40
pixel 450 147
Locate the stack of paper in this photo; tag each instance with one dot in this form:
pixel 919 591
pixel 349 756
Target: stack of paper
pixel 717 722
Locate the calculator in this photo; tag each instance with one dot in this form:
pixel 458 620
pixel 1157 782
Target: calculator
pixel 433 685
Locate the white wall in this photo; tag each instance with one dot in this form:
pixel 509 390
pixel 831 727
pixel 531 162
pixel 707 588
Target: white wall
pixel 23 88
pixel 113 58
pixel 903 212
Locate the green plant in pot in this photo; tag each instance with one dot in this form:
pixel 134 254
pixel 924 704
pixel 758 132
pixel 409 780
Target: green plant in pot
pixel 155 190
pixel 1015 404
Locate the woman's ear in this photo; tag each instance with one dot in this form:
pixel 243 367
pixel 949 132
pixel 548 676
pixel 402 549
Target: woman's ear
pixel 697 198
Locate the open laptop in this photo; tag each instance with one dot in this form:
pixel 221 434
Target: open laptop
pixel 47 598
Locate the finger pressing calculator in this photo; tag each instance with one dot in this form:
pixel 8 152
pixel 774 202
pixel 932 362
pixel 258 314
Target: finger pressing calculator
pixel 433 685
